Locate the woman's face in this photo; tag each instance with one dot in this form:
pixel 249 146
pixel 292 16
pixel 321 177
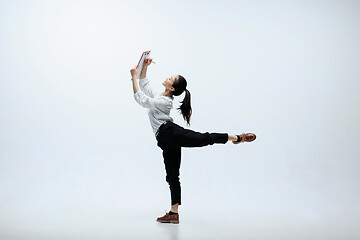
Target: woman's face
pixel 169 82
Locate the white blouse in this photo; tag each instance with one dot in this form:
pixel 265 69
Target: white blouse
pixel 158 106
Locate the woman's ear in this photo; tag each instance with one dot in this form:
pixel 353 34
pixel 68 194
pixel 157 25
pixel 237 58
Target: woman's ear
pixel 172 89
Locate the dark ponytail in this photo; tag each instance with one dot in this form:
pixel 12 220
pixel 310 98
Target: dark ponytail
pixel 185 108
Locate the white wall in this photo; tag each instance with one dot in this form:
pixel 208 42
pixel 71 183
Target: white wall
pixel 73 141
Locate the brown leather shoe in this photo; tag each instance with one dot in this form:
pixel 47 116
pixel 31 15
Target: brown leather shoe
pixel 245 137
pixel 167 218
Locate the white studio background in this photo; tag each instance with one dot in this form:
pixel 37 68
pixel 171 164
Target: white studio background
pixel 78 158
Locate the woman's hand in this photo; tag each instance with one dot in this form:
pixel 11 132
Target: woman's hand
pixel 134 72
pixel 147 62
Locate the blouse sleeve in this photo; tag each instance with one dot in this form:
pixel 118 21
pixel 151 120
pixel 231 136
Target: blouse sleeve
pixel 148 102
pixel 146 87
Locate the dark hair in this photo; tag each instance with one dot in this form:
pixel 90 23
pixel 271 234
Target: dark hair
pixel 185 108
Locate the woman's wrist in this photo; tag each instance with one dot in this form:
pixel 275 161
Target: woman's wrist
pixel 135 85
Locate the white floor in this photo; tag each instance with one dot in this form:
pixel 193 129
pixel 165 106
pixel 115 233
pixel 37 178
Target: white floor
pixel 193 225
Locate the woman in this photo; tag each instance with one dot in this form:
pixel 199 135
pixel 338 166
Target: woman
pixel 170 136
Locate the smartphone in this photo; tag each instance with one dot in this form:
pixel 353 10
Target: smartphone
pixel 141 62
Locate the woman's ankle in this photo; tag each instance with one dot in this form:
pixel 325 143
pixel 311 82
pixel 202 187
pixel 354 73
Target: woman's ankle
pixel 174 208
pixel 232 137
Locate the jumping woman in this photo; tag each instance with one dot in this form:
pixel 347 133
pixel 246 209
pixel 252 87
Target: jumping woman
pixel 170 136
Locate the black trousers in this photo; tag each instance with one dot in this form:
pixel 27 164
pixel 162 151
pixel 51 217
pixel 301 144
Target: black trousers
pixel 170 138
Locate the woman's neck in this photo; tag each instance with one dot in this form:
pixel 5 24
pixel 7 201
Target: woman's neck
pixel 167 93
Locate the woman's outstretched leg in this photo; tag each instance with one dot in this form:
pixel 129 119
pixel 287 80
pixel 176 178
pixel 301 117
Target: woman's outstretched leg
pixel 190 138
pixel 175 135
pixel 179 136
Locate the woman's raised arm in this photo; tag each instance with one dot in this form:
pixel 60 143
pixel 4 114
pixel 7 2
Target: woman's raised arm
pixel 133 73
pixel 146 63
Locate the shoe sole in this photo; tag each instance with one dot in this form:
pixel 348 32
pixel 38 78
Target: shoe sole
pixel 169 221
pixel 243 142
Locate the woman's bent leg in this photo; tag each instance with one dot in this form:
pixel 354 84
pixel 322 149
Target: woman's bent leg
pixel 172 160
